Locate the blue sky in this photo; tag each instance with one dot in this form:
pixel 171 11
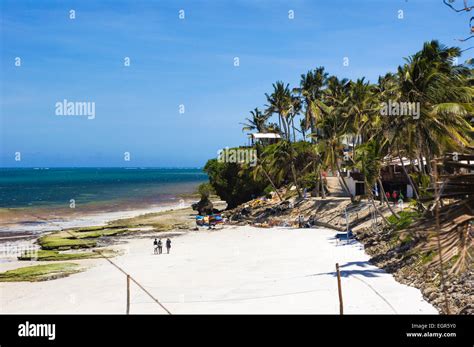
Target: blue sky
pixel 187 62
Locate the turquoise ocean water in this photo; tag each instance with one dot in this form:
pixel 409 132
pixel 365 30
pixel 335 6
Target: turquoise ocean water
pixel 27 187
pixel 38 199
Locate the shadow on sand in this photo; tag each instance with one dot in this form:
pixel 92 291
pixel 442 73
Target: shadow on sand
pixel 364 268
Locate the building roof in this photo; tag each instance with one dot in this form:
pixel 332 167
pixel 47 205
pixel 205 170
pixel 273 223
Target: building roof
pixel 265 136
pixel 406 161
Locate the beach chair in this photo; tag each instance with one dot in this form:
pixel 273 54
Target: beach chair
pixel 344 236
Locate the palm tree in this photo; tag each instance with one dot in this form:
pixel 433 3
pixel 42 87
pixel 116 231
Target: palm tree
pixel 430 79
pixel 282 162
pixel 259 169
pixel 280 102
pixel 440 88
pixel 256 122
pixel 332 127
pixel 369 159
pixel 339 111
pixel 273 128
pixel 303 128
pixel 313 160
pixel 293 111
pixel 387 89
pixel 310 91
pixel 362 110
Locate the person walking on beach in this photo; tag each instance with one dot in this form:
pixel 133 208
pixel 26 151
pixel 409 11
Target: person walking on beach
pixel 168 245
pixel 160 247
pixel 155 246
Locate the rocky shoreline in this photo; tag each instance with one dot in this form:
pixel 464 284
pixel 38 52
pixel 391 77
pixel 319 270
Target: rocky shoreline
pixel 385 246
pixel 407 268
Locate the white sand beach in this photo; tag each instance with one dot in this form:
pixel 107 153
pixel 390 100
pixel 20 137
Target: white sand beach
pixel 234 270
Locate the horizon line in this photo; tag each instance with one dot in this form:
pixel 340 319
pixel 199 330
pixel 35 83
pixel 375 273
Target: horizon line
pixel 102 167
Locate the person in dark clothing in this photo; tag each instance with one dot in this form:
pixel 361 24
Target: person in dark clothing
pixel 168 245
pixel 155 246
pixel 160 247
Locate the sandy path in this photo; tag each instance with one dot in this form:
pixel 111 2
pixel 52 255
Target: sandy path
pixel 237 270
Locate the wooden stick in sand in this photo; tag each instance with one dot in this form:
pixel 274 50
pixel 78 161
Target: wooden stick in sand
pixel 341 306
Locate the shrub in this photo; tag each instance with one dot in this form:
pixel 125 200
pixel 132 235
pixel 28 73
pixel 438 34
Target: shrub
pixel 406 219
pixel 205 190
pixel 234 183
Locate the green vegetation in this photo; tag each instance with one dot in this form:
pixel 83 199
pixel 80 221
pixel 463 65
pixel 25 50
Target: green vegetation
pixel 329 125
pixel 40 272
pixel 77 238
pixel 233 183
pixel 418 117
pixel 99 233
pixel 48 255
pixel 94 228
pixel 60 241
pixel 407 218
pixel 205 190
pixel 88 237
pixel 427 257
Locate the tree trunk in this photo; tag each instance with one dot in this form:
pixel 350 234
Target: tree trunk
pixel 312 126
pixel 428 158
pixel 286 129
pixel 323 189
pixel 293 171
pixel 271 182
pixel 371 199
pixel 410 180
pixel 316 189
pixel 293 126
pixel 421 164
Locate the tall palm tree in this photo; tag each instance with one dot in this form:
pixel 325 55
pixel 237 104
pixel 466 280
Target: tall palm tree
pixel 369 159
pixel 430 79
pixel 293 111
pixel 310 91
pixel 362 110
pixel 440 88
pixel 332 126
pixel 280 103
pixel 387 90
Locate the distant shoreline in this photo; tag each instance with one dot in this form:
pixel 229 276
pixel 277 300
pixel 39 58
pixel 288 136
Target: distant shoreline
pixel 35 227
pixel 36 201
